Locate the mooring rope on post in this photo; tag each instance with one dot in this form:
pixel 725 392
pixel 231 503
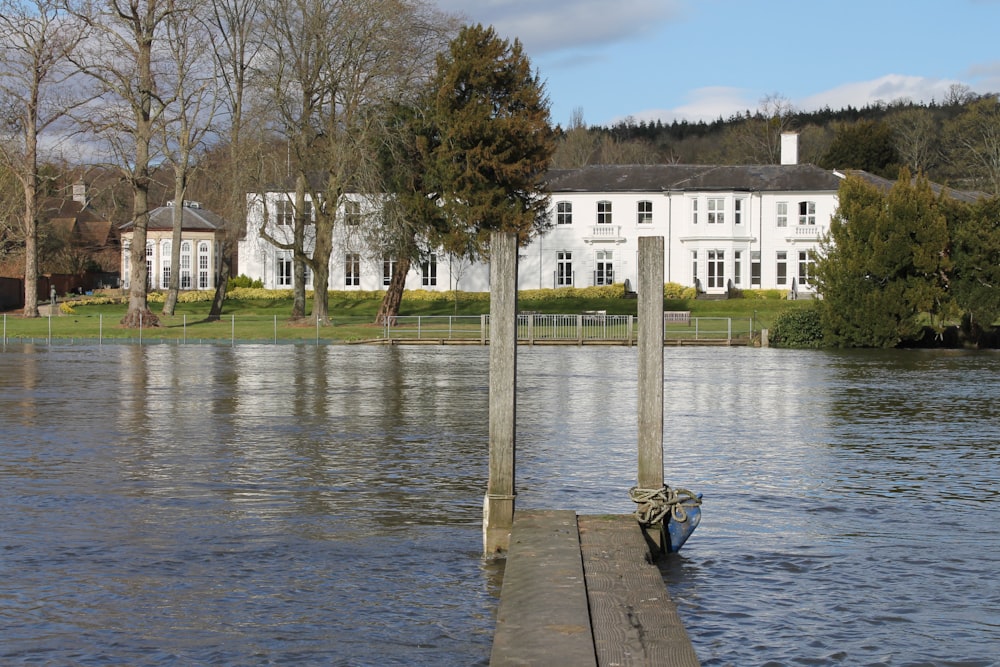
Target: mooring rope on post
pixel 656 504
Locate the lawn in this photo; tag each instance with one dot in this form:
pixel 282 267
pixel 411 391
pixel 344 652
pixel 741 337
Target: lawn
pixel 352 316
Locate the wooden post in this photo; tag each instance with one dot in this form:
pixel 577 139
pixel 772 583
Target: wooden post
pixel 650 409
pixel 498 506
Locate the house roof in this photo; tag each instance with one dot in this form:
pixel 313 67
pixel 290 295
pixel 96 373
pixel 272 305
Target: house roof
pixel 884 184
pixel 689 177
pixel 72 218
pixel 192 219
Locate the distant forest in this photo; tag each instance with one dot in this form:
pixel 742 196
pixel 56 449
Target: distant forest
pixel 955 142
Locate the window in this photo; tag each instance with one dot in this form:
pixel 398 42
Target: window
pixel 716 268
pixel 284 212
pixel 605 273
pixel 781 219
pixel 564 213
pixel 388 270
pixel 352 213
pixel 754 268
pixel 807 213
pixel 716 210
pixel 429 271
pixel 564 268
pixel 283 268
pixel 203 265
pixel 604 213
pixel 165 263
pixel 307 211
pixel 782 268
pixel 186 265
pixel 805 267
pixel 694 268
pixel 737 266
pixel 738 210
pixel 149 266
pixel 644 212
pixel 694 212
pixel 352 269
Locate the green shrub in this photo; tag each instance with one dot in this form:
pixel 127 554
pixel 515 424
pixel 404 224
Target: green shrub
pixel 800 327
pixel 243 281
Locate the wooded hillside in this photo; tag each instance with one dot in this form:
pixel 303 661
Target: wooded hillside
pixel 955 142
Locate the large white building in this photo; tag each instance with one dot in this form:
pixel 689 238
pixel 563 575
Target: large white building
pixel 745 227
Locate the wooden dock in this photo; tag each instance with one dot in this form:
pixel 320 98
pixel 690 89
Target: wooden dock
pixel 584 591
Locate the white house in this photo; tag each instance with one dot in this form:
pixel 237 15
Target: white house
pixel 201 240
pixel 746 227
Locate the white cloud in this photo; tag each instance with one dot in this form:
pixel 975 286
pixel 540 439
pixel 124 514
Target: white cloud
pixel 707 104
pixel 555 25
pixel 888 88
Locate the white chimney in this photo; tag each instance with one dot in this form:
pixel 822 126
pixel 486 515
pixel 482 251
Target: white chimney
pixel 789 148
pixel 80 193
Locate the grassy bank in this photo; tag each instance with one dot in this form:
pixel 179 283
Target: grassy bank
pixel 260 315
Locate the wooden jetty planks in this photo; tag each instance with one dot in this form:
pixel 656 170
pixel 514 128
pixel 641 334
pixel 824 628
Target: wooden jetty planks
pixel 634 621
pixel 543 617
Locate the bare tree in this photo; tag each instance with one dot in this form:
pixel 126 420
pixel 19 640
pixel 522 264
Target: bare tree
pixel 916 134
pixel 974 138
pixel 332 66
pixel 578 145
pixel 36 41
pixel 758 137
pixel 123 61
pixel 235 35
pixel 187 121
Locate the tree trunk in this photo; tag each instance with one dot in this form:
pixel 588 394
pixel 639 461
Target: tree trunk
pixel 31 245
pixel 389 308
pixel 170 303
pixel 225 272
pixel 299 265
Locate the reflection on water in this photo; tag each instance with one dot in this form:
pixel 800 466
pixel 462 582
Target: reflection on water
pixel 322 505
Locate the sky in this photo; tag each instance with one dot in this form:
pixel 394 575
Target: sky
pixel 704 59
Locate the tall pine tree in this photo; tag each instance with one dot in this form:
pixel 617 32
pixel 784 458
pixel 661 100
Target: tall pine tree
pixel 885 266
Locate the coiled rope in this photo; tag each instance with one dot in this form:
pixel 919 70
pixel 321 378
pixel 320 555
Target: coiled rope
pixel 656 504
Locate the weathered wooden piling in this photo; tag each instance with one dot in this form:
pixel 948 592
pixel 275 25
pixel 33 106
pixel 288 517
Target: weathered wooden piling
pixel 650 350
pixel 498 506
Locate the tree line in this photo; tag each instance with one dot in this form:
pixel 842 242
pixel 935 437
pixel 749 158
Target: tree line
pixel 952 141
pixel 447 125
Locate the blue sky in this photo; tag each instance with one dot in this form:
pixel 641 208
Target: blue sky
pixel 702 59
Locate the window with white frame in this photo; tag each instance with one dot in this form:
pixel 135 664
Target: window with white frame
pixel 284 212
pixel 352 269
pixel 781 214
pixel 716 268
pixel 605 274
pixel 738 205
pixel 737 267
pixel 165 263
pixel 604 212
pixel 429 271
pixel 805 267
pixel 283 268
pixel 807 213
pixel 352 213
pixel 388 270
pixel 149 266
pixel 716 210
pixel 644 212
pixel 781 268
pixel 694 268
pixel 564 268
pixel 564 213
pixel 185 275
pixel 203 257
pixel 694 211
pixel 754 268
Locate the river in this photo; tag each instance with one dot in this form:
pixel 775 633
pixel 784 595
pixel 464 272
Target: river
pixel 321 505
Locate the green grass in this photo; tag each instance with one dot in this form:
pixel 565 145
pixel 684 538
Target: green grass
pixel 267 320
